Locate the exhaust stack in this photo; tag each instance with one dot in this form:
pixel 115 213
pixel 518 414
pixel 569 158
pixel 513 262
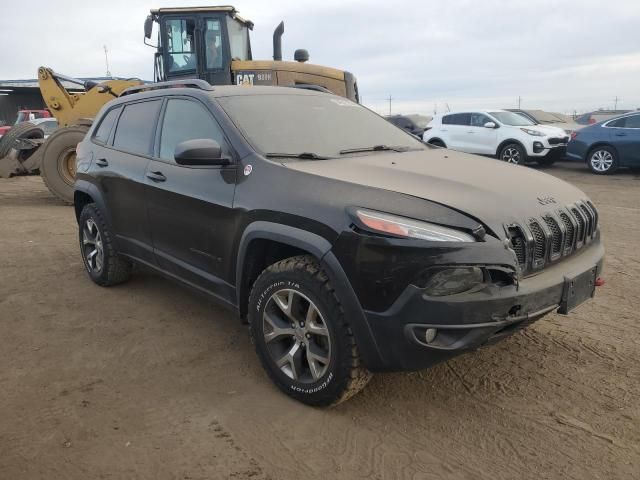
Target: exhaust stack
pixel 277 41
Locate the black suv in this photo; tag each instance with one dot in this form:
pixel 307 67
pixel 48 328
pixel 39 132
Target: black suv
pixel 349 246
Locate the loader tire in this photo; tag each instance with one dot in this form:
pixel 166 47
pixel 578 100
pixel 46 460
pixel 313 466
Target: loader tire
pixel 58 163
pixel 22 130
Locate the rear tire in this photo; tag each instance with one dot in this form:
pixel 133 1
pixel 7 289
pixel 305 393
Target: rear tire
pixel 602 160
pixel 58 165
pixel 301 335
pixel 103 264
pixel 513 153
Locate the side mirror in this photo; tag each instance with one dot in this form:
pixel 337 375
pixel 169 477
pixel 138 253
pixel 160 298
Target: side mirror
pixel 490 125
pixel 148 26
pixel 201 151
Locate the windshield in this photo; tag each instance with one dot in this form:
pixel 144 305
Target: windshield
pixel 544 117
pixel 513 119
pixel 320 124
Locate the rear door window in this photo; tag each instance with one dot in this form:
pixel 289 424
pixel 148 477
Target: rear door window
pixel 187 120
pixel 457 119
pixel 479 119
pixel 136 127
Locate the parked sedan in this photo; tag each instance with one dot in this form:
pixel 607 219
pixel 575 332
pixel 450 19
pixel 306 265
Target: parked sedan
pixel 608 145
pixel 541 117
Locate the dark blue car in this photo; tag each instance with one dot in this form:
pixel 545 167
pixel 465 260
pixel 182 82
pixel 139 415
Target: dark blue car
pixel 608 145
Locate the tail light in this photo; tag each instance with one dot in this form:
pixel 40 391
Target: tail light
pixel 592 120
pixel 574 135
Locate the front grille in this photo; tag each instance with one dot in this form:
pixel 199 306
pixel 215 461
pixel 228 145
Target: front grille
pixel 580 230
pixel 553 236
pixel 558 140
pixel 570 231
pixel 519 244
pixel 556 235
pixel 539 242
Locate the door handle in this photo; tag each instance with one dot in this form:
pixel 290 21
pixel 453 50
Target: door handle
pixel 471 131
pixel 621 134
pixel 102 162
pixel 156 176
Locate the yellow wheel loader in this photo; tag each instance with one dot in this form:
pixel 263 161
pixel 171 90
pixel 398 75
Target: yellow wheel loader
pixel 209 43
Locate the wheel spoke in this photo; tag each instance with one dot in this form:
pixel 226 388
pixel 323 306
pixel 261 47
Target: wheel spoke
pixel 277 330
pixel 318 360
pixel 291 362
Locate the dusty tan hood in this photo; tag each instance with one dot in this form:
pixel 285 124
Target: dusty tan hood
pixel 487 189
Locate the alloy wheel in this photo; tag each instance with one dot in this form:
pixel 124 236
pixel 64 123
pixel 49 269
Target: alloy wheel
pixel 511 155
pixel 92 247
pixel 601 160
pixel 296 336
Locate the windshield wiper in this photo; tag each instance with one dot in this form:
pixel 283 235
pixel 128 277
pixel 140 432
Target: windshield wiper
pixel 302 155
pixel 375 148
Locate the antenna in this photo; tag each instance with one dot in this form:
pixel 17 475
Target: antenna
pixel 106 59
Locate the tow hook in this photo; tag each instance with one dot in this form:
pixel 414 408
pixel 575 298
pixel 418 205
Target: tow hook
pixel 599 282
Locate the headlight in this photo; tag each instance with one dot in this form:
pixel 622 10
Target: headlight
pixel 407 227
pixel 451 281
pixel 535 133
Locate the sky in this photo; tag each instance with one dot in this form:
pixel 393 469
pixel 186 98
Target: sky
pixel 427 55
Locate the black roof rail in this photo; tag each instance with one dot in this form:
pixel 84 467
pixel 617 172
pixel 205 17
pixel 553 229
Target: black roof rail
pixel 186 83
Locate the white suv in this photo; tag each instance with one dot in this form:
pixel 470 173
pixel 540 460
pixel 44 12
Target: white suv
pixel 508 136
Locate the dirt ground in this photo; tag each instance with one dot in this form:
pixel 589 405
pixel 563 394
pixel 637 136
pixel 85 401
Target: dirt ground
pixel 149 380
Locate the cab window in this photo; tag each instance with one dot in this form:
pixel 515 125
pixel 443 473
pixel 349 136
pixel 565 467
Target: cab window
pixel 181 48
pixel 187 120
pixel 136 127
pixel 213 44
pixel 238 40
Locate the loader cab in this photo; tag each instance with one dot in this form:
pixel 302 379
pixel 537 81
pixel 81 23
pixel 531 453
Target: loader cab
pixel 199 43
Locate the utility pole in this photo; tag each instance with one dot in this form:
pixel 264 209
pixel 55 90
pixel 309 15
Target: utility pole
pixel 106 59
pixel 390 98
pixel 615 105
pixel 519 101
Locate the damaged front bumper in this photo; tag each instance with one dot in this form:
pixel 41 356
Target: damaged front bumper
pixel 418 330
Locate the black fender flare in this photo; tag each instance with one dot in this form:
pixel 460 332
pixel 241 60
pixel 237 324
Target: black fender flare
pixel 96 195
pixel 320 248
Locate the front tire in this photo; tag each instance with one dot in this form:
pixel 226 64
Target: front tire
pixel 301 336
pixel 513 153
pixel 102 262
pixel 602 160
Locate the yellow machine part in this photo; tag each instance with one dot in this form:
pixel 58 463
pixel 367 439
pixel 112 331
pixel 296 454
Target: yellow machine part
pixel 291 73
pixel 68 108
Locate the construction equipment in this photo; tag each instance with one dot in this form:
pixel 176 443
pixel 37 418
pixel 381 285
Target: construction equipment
pixel 209 43
pixel 213 44
pixel 23 149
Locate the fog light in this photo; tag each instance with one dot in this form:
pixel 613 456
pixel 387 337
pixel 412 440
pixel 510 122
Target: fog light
pixel 430 335
pixel 454 280
pixel 538 147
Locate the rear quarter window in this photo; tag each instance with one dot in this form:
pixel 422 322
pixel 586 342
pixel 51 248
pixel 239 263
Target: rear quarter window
pixel 106 125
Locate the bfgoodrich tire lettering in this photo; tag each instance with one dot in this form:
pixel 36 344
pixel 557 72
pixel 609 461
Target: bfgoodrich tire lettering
pixel 102 262
pixel 284 326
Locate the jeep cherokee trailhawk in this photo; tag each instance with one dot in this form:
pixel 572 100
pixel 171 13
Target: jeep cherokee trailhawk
pixel 348 245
